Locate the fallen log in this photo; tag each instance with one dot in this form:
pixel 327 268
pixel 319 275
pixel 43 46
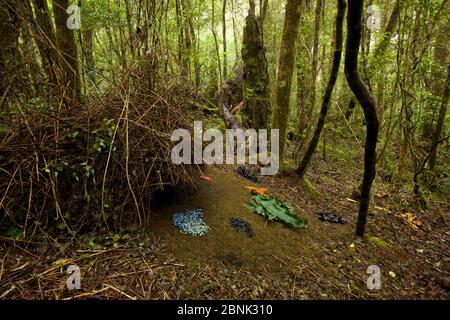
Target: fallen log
pixel 222 99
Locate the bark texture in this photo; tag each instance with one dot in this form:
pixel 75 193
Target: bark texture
pixel 285 71
pixel 366 100
pixel 256 92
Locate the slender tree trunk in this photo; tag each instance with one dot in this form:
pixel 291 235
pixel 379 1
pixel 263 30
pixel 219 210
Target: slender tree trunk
pixel 350 108
pixel 197 69
pixel 88 52
pixel 187 39
pixel 379 55
pixel 315 62
pixel 131 33
pixel 9 35
pixel 235 32
pixel 264 4
pixel 285 71
pixel 435 84
pixel 440 123
pixel 34 70
pixel 68 57
pixel 224 37
pixel 9 27
pixel 45 38
pixel 367 102
pixel 303 75
pixel 180 32
pixel 216 41
pixel 329 90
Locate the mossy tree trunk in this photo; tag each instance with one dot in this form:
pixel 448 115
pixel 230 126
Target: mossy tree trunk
pixel 68 56
pixel 256 92
pixel 9 53
pixel 88 53
pixel 45 38
pixel 303 73
pixel 285 71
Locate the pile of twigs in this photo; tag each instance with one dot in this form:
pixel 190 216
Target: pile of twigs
pixel 98 164
pixel 121 273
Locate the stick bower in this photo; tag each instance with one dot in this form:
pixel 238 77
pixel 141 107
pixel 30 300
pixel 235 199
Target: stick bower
pixel 99 164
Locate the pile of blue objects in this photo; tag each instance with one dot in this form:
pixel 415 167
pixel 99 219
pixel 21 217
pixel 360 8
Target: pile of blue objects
pixel 191 222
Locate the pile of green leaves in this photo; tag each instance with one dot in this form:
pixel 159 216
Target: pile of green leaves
pixel 275 210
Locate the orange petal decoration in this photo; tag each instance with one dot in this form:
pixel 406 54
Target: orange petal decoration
pixel 260 191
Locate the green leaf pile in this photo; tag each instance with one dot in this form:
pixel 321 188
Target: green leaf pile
pixel 275 210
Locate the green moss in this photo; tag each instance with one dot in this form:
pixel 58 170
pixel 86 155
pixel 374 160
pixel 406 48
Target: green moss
pixel 327 179
pixel 380 242
pixel 287 168
pixel 309 188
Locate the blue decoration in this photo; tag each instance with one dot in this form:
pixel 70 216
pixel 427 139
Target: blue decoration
pixel 191 222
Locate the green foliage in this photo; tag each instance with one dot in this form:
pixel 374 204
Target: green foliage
pixel 309 188
pixel 104 136
pixel 114 240
pixel 56 167
pixel 15 233
pixel 275 210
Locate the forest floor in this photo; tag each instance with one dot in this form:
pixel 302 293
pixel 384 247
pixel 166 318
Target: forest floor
pixel 325 261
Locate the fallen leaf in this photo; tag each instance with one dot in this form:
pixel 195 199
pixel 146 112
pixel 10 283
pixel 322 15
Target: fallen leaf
pixel 382 195
pixel 381 209
pixel 412 221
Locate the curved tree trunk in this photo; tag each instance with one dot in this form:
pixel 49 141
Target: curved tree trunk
pixel 329 90
pixel 367 102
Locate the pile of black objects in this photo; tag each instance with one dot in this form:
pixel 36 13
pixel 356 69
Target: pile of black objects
pixel 332 218
pixel 242 226
pixel 245 173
